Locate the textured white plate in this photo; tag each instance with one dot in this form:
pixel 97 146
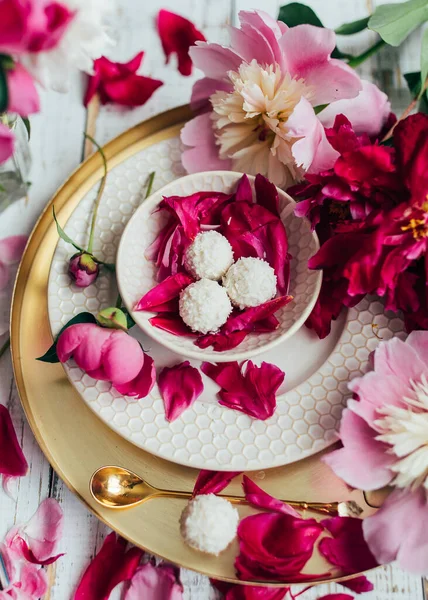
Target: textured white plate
pixel 208 435
pixel 136 275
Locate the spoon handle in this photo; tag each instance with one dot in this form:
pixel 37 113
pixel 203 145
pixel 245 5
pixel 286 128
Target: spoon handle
pixel 328 508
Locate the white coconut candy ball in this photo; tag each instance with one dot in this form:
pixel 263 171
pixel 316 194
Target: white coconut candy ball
pixel 204 306
pixel 209 524
pixel 209 256
pixel 250 282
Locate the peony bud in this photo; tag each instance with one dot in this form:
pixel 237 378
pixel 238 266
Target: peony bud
pixel 113 318
pixel 83 269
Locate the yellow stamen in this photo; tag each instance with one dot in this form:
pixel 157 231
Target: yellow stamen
pixel 417 227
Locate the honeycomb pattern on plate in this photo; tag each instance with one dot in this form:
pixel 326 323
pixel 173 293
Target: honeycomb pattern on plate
pixel 206 435
pixel 137 275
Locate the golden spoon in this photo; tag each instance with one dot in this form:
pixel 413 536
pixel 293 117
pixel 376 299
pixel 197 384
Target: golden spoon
pixel 116 487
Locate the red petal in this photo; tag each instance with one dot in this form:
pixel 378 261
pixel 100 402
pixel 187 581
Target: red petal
pixel 276 546
pixel 23 548
pixel 212 482
pixel 347 548
pixel 172 323
pixel 234 591
pixel 261 499
pixel 244 193
pixel 111 566
pixel 165 291
pixel 250 316
pixel 338 596
pixel 267 194
pixel 179 386
pixel 221 341
pixel 155 583
pixel 177 34
pixel 12 459
pixel 142 385
pixel 133 90
pixel 359 584
pixel 252 393
pixel 411 142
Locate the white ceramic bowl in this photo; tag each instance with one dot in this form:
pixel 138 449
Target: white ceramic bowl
pixel 136 275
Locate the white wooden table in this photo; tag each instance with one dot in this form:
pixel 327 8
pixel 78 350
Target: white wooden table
pixel 57 149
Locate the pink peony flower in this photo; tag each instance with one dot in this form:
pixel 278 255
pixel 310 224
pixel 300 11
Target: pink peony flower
pixel 256 102
pixel 112 565
pixel 212 482
pixel 152 582
pixel 108 355
pixel 83 269
pixel 177 35
pixel 7 143
pixel 118 83
pixel 179 386
pixel 249 389
pixel 385 442
pixel 12 459
pixel 23 96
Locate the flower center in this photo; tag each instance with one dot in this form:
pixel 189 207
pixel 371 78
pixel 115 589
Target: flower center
pixel 405 429
pixel 250 122
pixel 418 226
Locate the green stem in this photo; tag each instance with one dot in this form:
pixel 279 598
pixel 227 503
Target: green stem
pixel 357 60
pixel 150 184
pixel 118 301
pixel 4 347
pixel 99 194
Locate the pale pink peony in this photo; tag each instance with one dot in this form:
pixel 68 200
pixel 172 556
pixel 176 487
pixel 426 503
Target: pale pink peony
pixel 256 102
pixel 108 355
pixel 384 432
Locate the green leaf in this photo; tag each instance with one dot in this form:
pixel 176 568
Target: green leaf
pixel 62 233
pixel 27 126
pixel 394 22
pixel 413 81
pixel 130 321
pixel 319 108
pixel 353 27
pixel 424 58
pixel 355 61
pixel 4 94
pixel 296 13
pixel 423 104
pixel 51 356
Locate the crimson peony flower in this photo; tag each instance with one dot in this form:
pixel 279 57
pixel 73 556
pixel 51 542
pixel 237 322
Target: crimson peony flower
pixel 118 83
pixel 363 177
pixel 385 251
pixel 177 35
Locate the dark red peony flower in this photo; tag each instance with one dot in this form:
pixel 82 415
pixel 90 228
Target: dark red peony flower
pixel 118 83
pixel 364 176
pixel 177 35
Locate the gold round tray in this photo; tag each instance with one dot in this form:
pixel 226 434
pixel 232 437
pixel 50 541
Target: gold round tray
pixel 72 437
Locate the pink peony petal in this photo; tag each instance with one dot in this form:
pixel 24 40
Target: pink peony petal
pixel 347 548
pixel 367 112
pixel 179 386
pixel 12 459
pixel 363 462
pixel 155 583
pixel 202 90
pixel 221 341
pixel 44 530
pixel 142 385
pixel 165 291
pixel 261 499
pixel 214 60
pixel 266 33
pixel 359 584
pixel 398 530
pixel 172 323
pixel 251 316
pixel 21 545
pixel 212 482
pixel 252 393
pixel 275 547
pixel 7 143
pixel 33 583
pixel 112 565
pixel 23 96
pixel 203 152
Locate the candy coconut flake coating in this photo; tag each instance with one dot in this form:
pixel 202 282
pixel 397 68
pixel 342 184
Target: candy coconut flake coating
pixel 204 306
pixel 209 256
pixel 250 282
pixel 209 524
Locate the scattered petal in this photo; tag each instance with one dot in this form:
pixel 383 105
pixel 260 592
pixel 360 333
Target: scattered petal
pixel 44 529
pixel 172 323
pixel 179 386
pixel 252 393
pixel 338 596
pixel 261 499
pixel 155 583
pixel 221 341
pixel 177 35
pixel 212 482
pixel 250 317
pixel 12 459
pixel 167 290
pixel 359 584
pixel 112 565
pixel 234 591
